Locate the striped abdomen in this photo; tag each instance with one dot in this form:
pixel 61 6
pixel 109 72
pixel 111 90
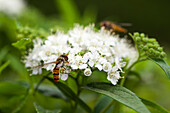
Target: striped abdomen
pixel 56 73
pixel 119 29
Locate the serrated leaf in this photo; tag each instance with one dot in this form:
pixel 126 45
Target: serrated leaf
pixel 154 105
pixel 163 64
pixel 39 109
pixel 120 94
pixel 21 44
pixel 102 103
pixel 70 94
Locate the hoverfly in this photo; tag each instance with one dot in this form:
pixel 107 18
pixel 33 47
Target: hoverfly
pixel 111 26
pixel 60 66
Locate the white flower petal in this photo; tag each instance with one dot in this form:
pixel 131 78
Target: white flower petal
pixel 99 66
pixel 107 67
pixel 35 71
pixel 85 47
pixel 91 63
pixel 63 76
pixel 74 67
pixel 87 72
pixel 113 76
pixel 82 66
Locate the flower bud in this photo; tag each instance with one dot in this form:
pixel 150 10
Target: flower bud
pixel 152 40
pixel 138 39
pixel 145 48
pixel 155 45
pixel 142 35
pixel 87 72
pixel 155 42
pixel 157 53
pixel 145 39
pixel 150 45
pixel 141 46
pixel 151 50
pixel 136 34
pixel 163 54
pixel 160 49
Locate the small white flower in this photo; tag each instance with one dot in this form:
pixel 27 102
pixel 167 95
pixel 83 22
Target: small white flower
pixel 102 60
pixel 99 66
pixel 107 66
pixel 91 63
pixel 98 50
pixel 113 76
pixel 87 72
pixel 119 64
pixel 74 66
pixel 82 66
pixel 63 76
pixel 35 71
pixel 49 67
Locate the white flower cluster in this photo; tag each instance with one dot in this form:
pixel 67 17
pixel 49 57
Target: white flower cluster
pixel 87 49
pixel 11 6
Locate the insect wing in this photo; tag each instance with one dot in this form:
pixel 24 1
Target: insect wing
pixel 46 64
pixel 60 64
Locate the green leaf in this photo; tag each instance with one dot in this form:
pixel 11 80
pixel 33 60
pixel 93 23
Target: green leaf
pixel 135 74
pixel 3 53
pixel 16 64
pixel 51 91
pixel 39 109
pixel 70 94
pixel 102 103
pixel 163 64
pixel 154 105
pixel 9 89
pixel 4 66
pixel 21 44
pixel 120 94
pixel 23 101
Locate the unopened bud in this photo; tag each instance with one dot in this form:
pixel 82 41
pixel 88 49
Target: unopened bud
pixel 136 34
pixel 142 35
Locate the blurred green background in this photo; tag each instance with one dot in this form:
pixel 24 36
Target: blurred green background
pixel 151 17
pixel 148 16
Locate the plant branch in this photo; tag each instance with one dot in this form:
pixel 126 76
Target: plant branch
pixel 44 77
pixel 123 81
pixel 106 108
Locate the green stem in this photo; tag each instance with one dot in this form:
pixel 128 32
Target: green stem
pixel 126 73
pixel 106 108
pixel 31 89
pixel 78 89
pixel 121 84
pixel 116 107
pixel 44 77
